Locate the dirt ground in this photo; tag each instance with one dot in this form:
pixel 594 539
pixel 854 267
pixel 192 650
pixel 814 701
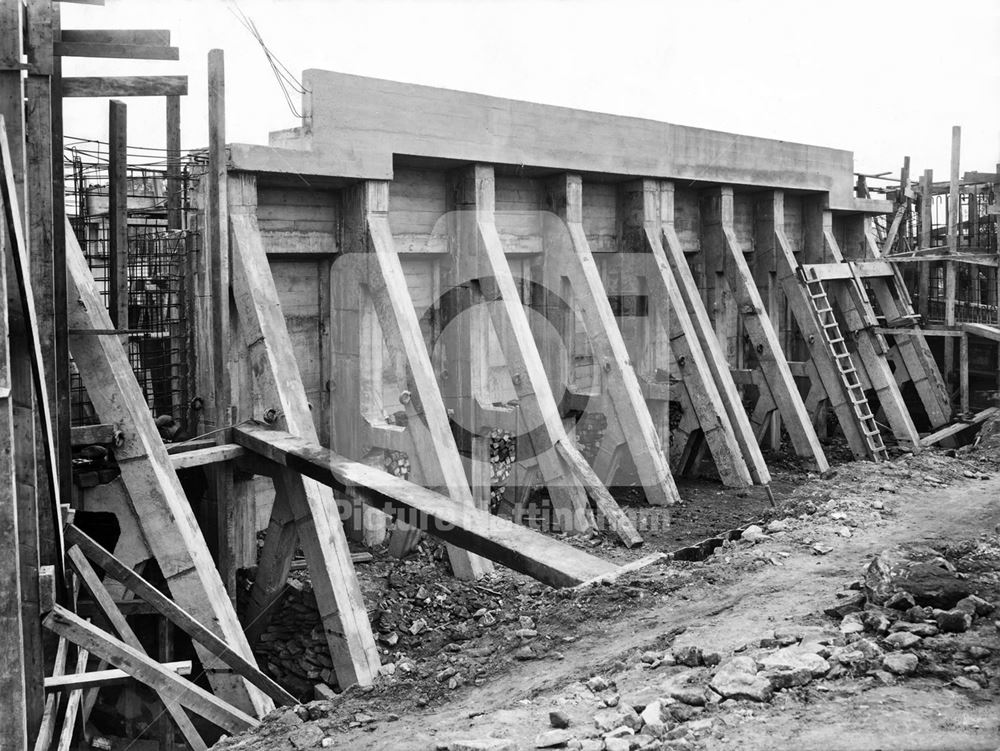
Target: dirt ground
pixel 488 662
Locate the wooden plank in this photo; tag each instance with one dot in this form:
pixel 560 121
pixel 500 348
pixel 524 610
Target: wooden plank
pixel 101 678
pixel 119 86
pixel 159 37
pixel 517 547
pixel 147 671
pixel 863 269
pixel 114 616
pixel 175 614
pixel 691 302
pixel 118 282
pixel 201 457
pixel 175 218
pixel 773 363
pixel 72 704
pixel 441 465
pixel 958 427
pixel 88 435
pixel 121 51
pixel 161 507
pixel 982 330
pixel 569 253
pixel 314 508
pixel 46 728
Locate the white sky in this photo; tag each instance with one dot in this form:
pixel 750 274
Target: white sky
pixel 881 79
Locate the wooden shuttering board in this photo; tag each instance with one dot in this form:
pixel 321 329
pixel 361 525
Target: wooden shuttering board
pixel 110 86
pixel 311 505
pixel 162 510
pixel 512 545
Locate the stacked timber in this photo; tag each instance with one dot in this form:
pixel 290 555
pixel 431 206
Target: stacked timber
pixel 397 463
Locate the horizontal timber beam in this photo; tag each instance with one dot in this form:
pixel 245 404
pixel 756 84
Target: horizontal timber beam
pixel 101 678
pixel 958 427
pixel 210 455
pixel 118 86
pixel 118 51
pixel 519 548
pixel 159 37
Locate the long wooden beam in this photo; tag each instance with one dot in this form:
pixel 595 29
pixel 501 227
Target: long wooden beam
pixel 159 37
pixel 513 545
pixel 175 614
pixel 367 220
pixel 161 507
pixel 571 255
pixel 692 303
pixel 148 671
pixel 120 51
pixel 958 427
pixel 86 86
pixel 312 506
pixel 102 678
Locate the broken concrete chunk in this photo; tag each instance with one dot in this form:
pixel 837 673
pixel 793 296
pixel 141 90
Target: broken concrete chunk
pixel 902 640
pixel 597 684
pixel 900 663
pixel 559 719
pixel 738 679
pixel 553 738
pixel 954 621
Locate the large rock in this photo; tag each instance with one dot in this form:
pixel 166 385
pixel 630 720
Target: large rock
pixel 924 576
pixel 607 720
pixel 795 658
pixel 553 739
pixel 738 679
pixel 900 663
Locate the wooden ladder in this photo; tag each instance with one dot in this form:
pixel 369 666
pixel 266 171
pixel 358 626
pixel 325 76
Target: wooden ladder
pixel 845 363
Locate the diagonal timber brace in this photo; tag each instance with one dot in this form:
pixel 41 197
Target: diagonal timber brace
pixel 378 267
pixel 739 280
pixel 685 346
pixel 568 476
pixel 568 251
pixel 161 507
pixel 690 300
pixel 311 506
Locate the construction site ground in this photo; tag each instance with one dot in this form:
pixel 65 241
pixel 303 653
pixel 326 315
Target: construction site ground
pixel 485 663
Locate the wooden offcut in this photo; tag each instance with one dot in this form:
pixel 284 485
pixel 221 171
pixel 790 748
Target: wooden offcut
pixel 119 86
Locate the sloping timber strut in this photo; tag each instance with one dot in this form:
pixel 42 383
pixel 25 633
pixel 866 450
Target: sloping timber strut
pixel 300 504
pixel 161 507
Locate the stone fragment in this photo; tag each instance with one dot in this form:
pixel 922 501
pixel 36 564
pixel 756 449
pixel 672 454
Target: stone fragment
pixel 652 719
pixel 902 640
pixel 553 738
pixel 929 582
pixel 919 629
pixel 954 621
pixel 617 744
pixel 689 656
pixel 738 679
pixel 850 603
pixel 597 684
pixel 787 677
pixel 795 658
pixel 324 692
pixel 306 737
pixel 524 653
pixel 710 658
pixel 692 695
pixel 482 744
pixel 974 605
pixel 753 534
pixel 977 652
pixel 900 663
pixel 967 683
pixel 559 719
pixel 777 525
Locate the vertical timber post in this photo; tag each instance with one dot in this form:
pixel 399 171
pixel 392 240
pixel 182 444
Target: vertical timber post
pixel 118 213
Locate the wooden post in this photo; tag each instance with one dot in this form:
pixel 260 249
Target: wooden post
pixel 217 227
pixel 926 219
pixel 954 221
pixel 118 213
pixel 174 216
pixel 963 369
pixel 13 705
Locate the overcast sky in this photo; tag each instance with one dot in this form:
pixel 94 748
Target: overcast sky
pixel 881 79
